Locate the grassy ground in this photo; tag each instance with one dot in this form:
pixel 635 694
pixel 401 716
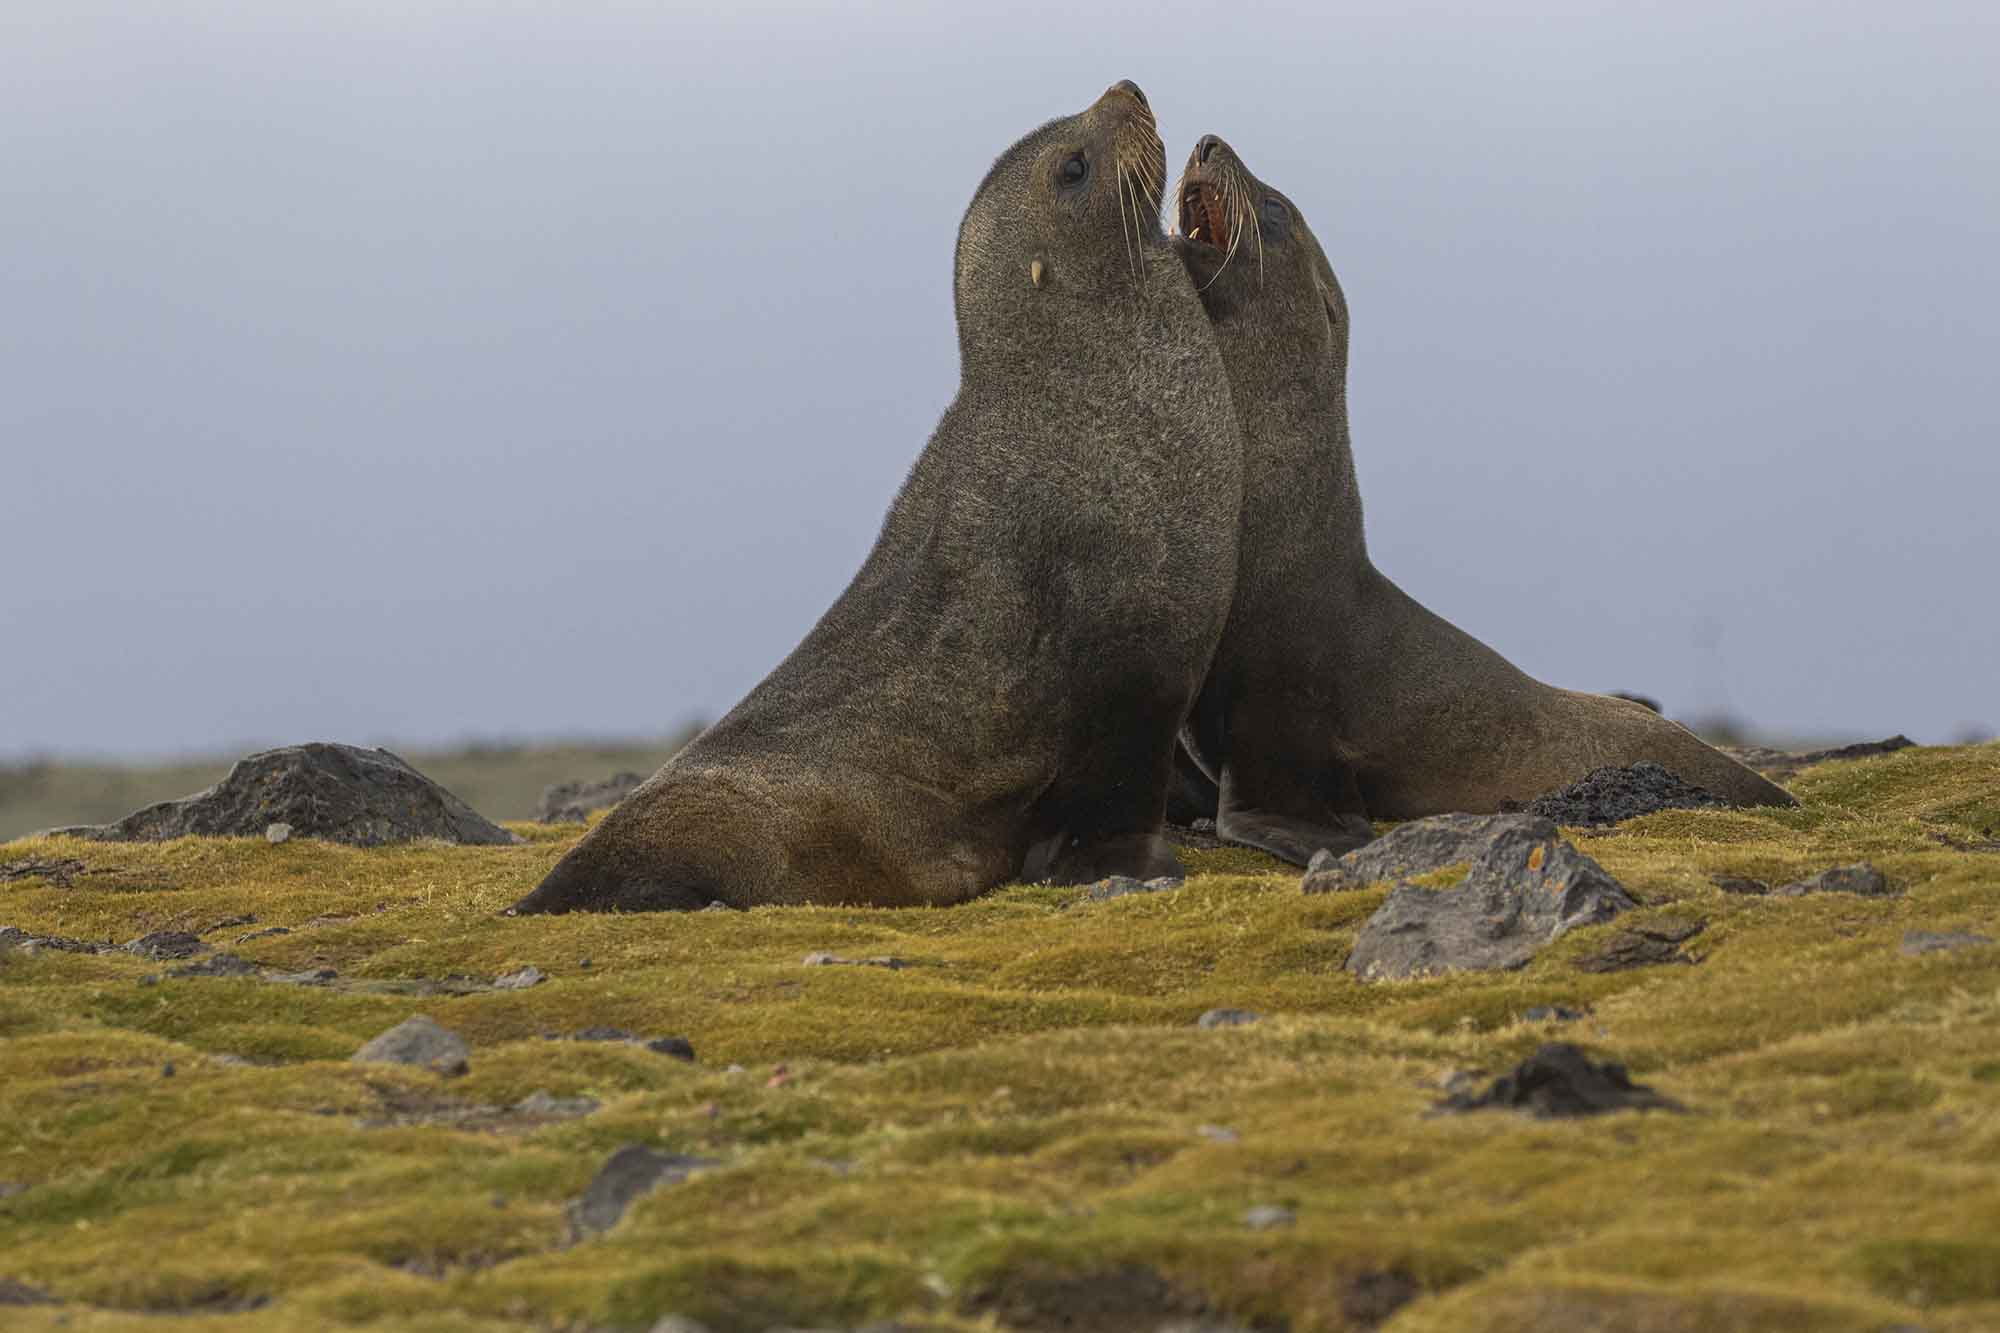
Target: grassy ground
pixel 499 780
pixel 1021 1128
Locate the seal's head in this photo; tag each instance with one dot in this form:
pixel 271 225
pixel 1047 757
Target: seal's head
pixel 1071 211
pixel 1257 265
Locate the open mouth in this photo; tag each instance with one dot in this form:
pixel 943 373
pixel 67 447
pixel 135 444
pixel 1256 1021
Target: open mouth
pixel 1203 218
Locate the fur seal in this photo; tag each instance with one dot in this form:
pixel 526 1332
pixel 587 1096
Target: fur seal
pixel 1334 694
pixel 996 695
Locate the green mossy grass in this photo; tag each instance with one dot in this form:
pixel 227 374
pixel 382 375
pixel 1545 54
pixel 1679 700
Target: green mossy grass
pixel 1015 1119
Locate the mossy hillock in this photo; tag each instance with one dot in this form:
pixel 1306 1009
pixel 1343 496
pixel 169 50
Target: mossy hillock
pixel 1022 1127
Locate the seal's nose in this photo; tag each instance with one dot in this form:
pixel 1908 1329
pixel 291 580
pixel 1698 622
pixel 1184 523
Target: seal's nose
pixel 1207 144
pixel 1133 90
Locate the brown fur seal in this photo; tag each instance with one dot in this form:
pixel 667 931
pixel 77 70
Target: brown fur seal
pixel 996 695
pixel 1333 693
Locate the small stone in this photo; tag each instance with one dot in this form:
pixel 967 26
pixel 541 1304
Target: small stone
pixel 717 905
pixel 13 1292
pixel 630 1172
pixel 673 1323
pixel 835 960
pixel 1227 1018
pixel 219 965
pixel 545 1104
pixel 418 1041
pixel 1218 1133
pixel 275 833
pixel 1268 1216
pixel 604 1034
pixel 167 1069
pixel 312 976
pixel 520 980
pixel 264 934
pixel 1736 884
pixel 161 945
pixel 1119 886
pixel 1552 1013
pixel 1643 946
pixel 1859 878
pixel 680 1048
pixel 150 979
pixel 583 964
pixel 1919 942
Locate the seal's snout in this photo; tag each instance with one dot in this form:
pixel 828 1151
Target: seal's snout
pixel 1131 90
pixel 1211 195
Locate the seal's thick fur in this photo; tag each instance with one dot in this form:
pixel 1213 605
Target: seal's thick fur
pixel 996 694
pixel 1334 694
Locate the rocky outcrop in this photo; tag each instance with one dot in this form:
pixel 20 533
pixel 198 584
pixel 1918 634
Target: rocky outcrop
pixel 321 790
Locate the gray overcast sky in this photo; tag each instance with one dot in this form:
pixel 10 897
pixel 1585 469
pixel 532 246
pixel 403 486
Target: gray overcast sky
pixel 423 370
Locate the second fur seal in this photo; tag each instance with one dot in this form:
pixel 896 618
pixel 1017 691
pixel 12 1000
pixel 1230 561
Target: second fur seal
pixel 996 694
pixel 1334 694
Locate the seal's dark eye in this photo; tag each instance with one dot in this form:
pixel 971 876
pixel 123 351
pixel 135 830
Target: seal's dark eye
pixel 1074 169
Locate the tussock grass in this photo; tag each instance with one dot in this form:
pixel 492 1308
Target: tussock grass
pixel 1010 1128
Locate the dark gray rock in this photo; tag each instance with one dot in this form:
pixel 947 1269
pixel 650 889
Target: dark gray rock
pixel 679 1048
pixel 1553 1013
pixel 1227 1018
pixel 312 976
pixel 221 965
pixel 630 1172
pixel 520 980
pixel 1919 942
pixel 418 1041
pixel 1781 764
pixel 1560 1080
pixel 337 792
pixel 1119 886
pixel 60 871
pixel 13 937
pixel 1610 795
pixel 1369 1298
pixel 1736 884
pixel 573 802
pixel 1526 888
pixel 162 945
pixel 835 960
pixel 1643 946
pixel 544 1105
pixel 1422 846
pixel 264 934
pixel 1860 878
pixel 13 1292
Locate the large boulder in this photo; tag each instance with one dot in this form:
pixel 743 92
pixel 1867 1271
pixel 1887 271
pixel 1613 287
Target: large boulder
pixel 322 790
pixel 1526 887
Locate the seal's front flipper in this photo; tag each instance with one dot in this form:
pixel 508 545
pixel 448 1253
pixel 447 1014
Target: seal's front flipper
pixel 1290 839
pixel 1139 855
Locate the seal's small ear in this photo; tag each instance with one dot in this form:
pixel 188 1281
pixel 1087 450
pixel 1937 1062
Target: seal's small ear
pixel 1035 271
